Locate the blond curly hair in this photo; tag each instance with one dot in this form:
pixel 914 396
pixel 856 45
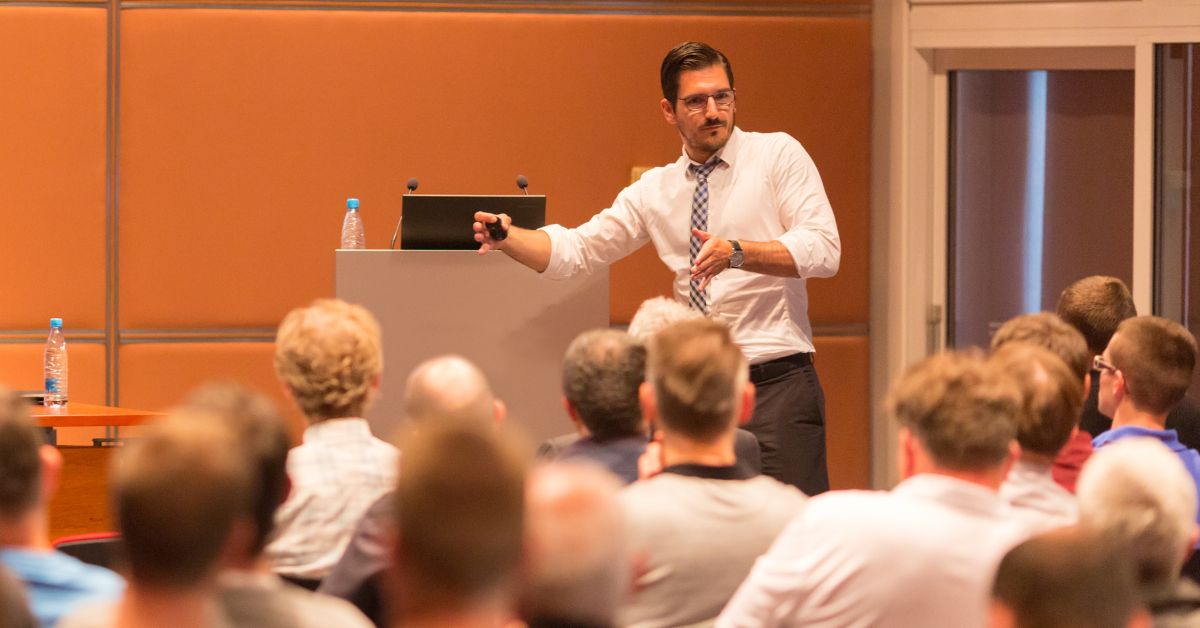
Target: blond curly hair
pixel 329 355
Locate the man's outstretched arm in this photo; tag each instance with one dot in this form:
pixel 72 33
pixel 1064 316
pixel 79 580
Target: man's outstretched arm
pixel 529 246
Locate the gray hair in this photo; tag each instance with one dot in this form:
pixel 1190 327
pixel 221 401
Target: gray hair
pixel 449 387
pixel 655 314
pixel 579 562
pixel 1138 492
pixel 602 370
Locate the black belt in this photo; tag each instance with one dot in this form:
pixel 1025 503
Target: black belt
pixel 771 369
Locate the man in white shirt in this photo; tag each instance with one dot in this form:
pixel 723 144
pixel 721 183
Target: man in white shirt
pixel 704 519
pixel 1049 360
pixel 922 554
pixel 743 221
pixel 330 358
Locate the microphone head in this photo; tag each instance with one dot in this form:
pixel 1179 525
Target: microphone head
pixel 412 184
pixel 522 182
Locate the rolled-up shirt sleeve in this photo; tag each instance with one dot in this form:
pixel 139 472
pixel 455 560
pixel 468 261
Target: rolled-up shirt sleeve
pixel 812 234
pixel 606 238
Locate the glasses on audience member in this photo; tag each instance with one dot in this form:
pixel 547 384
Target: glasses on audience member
pixel 699 102
pixel 1099 364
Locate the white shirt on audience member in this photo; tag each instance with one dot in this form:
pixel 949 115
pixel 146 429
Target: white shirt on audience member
pixel 336 474
pixel 923 554
pixel 1037 499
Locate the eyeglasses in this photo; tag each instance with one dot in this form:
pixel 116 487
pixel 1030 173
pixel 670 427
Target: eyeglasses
pixel 699 102
pixel 1098 364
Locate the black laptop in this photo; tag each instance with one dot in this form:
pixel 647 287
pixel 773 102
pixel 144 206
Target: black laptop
pixel 436 221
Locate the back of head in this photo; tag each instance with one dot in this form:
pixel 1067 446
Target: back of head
pixel 449 388
pixel 460 512
pixel 1156 357
pixel 20 463
pixel 262 435
pixel 602 371
pixel 1050 393
pixel 656 314
pixel 688 56
pixel 578 565
pixel 961 408
pixel 330 355
pixel 1138 493
pixel 1049 332
pixel 1095 306
pixel 697 373
pixel 1067 579
pixel 176 492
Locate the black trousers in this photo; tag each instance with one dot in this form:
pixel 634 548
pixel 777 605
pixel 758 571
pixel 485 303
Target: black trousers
pixel 789 422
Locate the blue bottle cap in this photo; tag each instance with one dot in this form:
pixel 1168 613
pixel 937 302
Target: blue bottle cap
pixel 56 323
pixel 351 203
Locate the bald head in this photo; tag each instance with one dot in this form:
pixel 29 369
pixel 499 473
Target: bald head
pixel 578 558
pixel 450 387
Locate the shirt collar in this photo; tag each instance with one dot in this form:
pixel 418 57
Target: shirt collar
pixel 727 154
pixel 1170 438
pixel 732 472
pixel 351 427
pixel 959 494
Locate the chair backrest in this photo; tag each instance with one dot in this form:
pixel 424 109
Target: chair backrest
pixel 97 548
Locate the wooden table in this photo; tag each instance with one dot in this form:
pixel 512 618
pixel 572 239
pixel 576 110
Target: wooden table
pixel 88 415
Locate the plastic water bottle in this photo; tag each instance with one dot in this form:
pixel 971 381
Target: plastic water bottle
pixel 352 227
pixel 56 366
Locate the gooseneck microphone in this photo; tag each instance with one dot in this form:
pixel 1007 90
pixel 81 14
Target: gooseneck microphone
pixel 412 187
pixel 523 183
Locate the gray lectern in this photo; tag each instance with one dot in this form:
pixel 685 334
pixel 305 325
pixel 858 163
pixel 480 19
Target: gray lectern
pixel 501 315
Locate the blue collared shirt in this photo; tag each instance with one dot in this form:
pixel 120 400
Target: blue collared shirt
pixel 1190 457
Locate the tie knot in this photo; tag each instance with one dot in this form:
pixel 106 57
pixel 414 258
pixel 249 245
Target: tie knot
pixel 702 171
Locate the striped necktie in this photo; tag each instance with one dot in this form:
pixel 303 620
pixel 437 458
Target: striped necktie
pixel 700 221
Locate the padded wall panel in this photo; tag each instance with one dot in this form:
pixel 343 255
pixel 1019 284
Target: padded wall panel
pixel 158 376
pixel 843 366
pixel 244 131
pixel 21 369
pixel 52 165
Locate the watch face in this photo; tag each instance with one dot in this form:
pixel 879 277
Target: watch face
pixel 736 260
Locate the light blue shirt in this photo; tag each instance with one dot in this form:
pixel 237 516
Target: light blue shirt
pixel 57 583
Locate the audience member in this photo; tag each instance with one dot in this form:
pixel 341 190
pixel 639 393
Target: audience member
pixel 924 553
pixel 704 519
pixel 1144 372
pixel 656 314
pixel 445 388
pixel 1095 306
pixel 459 527
pixel 180 494
pixel 251 595
pixel 577 563
pixel 1066 579
pixel 330 359
pixel 1051 398
pixel 1138 494
pixel 1050 332
pixel 29 470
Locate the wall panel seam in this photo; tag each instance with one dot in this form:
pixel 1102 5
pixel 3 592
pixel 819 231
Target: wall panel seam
pixel 648 9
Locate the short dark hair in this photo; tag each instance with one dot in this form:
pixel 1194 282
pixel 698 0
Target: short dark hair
pixel 20 462
pixel 1067 579
pixel 1050 332
pixel 698 373
pixel 262 434
pixel 602 371
pixel 1157 357
pixel 1051 396
pixel 690 55
pixel 1095 305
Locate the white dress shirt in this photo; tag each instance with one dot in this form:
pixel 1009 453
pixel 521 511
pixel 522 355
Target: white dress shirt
pixel 923 554
pixel 336 474
pixel 767 189
pixel 1037 499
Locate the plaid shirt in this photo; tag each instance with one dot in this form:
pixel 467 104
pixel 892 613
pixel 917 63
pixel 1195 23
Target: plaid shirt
pixel 336 474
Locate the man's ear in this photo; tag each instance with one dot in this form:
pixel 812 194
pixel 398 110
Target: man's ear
pixel 906 456
pixel 51 462
pixel 1087 385
pixel 746 411
pixel 573 414
pixel 668 110
pixel 500 411
pixel 646 400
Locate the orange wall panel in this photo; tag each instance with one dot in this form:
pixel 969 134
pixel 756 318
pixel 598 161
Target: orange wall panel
pixel 242 133
pixel 52 165
pixel 843 366
pixel 21 369
pixel 157 376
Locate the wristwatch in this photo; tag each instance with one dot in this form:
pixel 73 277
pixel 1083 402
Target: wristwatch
pixel 738 258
